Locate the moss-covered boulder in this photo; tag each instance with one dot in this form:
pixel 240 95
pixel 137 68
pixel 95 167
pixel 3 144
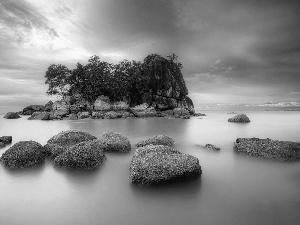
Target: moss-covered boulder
pixel 23 154
pixel 70 137
pixel 12 115
pixel 115 142
pixel 268 148
pixel 157 140
pixel 87 155
pixel 155 164
pixel 239 118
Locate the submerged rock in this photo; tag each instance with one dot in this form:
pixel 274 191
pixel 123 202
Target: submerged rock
pixel 115 142
pixel 154 164
pixel 23 154
pixel 267 148
pixel 157 140
pixel 86 155
pixel 212 147
pixel 70 137
pixel 240 118
pixel 12 115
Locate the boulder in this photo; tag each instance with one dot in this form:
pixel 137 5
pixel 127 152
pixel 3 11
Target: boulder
pixel 11 115
pixel 115 142
pixel 73 116
pixel 143 110
pixel 121 105
pixel 87 155
pixel 70 137
pixel 33 108
pixel 180 112
pixel 40 116
pixel 2 145
pixel 6 139
pixel 268 148
pixel 23 154
pixel 111 115
pixel 239 118
pixel 187 104
pixel 157 140
pixel 102 103
pixel 60 108
pixel 212 147
pixel 98 114
pixel 155 164
pixel 84 115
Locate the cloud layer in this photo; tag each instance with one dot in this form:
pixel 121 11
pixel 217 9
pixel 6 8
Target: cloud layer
pixel 232 51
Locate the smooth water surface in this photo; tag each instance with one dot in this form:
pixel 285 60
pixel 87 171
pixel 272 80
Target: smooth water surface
pixel 233 189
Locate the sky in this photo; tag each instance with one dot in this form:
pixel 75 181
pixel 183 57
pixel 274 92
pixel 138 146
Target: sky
pixel 233 51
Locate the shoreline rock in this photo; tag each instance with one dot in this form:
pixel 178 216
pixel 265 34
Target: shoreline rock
pixel 268 148
pixel 12 115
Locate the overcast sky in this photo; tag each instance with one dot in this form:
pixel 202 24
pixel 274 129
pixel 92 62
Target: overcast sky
pixel 233 51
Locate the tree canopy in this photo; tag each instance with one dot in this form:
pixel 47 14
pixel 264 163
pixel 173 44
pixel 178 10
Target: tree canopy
pixel 127 80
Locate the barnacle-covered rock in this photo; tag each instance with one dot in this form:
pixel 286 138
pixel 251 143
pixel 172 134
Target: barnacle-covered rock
pixel 239 118
pixel 23 154
pixel 157 140
pixel 86 155
pixel 268 148
pixel 115 142
pixel 70 137
pixel 154 164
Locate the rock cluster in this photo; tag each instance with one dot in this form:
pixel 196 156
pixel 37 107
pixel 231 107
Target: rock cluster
pixel 239 118
pixel 86 155
pixel 268 148
pixel 4 140
pixel 23 154
pixel 155 164
pixel 115 142
pixel 157 140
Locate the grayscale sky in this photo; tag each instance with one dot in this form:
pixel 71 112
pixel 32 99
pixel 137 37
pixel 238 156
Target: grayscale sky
pixel 233 51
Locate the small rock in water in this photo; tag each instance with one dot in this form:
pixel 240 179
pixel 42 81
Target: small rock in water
pixel 239 118
pixel 212 147
pixel 12 115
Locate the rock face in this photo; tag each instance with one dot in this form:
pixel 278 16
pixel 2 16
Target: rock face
pixel 157 140
pixel 87 155
pixel 115 142
pixel 154 164
pixel 239 118
pixel 212 147
pixel 60 108
pixel 267 148
pixel 23 154
pixel 11 115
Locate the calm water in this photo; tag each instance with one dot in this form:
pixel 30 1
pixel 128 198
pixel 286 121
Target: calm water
pixel 233 189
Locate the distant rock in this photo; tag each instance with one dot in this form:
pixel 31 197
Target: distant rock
pixel 115 142
pixel 268 148
pixel 73 117
pixel 87 155
pixel 240 118
pixel 231 113
pixel 155 164
pixel 11 115
pixel 83 115
pixel 102 103
pixel 48 107
pixel 212 147
pixel 143 110
pixel 112 115
pixel 186 117
pixel 2 145
pixel 157 140
pixel 23 154
pixel 60 108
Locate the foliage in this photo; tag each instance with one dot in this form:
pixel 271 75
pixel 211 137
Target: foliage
pixel 127 80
